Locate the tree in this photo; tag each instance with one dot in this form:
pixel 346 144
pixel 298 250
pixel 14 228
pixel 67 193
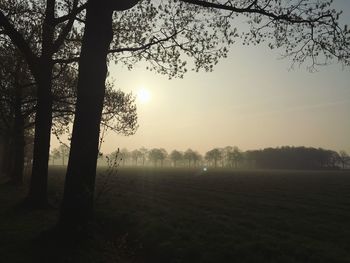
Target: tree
pixel 162 156
pixel 214 155
pixel 344 158
pixel 64 150
pixel 175 156
pixel 192 156
pixel 235 156
pixel 196 158
pixel 125 155
pixel 18 100
pixel 144 153
pixel 305 30
pixel 39 43
pixel 188 155
pixel 136 155
pixel 55 154
pixel 154 155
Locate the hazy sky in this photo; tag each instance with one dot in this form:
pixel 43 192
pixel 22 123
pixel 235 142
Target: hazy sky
pixel 251 100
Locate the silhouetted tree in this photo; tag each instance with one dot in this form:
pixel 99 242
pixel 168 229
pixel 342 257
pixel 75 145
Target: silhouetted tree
pixel 188 155
pixel 344 158
pixel 64 150
pixel 18 100
pixel 162 156
pixel 34 29
pixel 154 155
pixel 192 157
pixel 175 156
pixel 136 155
pixel 196 157
pixel 17 107
pixel 144 152
pixel 125 155
pixel 235 156
pixel 55 154
pixel 214 156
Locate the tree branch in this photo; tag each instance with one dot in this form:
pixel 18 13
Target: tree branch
pixel 145 46
pixel 257 10
pixel 71 15
pixel 18 40
pixel 67 28
pixel 120 50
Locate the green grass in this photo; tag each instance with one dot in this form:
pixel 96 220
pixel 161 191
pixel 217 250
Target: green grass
pixel 181 215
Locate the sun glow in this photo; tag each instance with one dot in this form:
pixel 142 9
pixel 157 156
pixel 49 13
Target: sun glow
pixel 143 95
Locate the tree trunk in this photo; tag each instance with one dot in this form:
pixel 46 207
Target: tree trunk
pixel 43 122
pixel 77 205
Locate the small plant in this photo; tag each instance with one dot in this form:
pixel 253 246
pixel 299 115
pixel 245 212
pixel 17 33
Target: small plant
pixel 107 176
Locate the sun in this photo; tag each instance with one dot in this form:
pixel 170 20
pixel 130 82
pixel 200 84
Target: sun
pixel 143 95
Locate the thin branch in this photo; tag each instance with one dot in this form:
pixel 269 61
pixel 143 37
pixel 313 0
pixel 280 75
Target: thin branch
pixel 251 10
pixel 67 28
pixel 71 15
pixel 120 50
pixel 18 39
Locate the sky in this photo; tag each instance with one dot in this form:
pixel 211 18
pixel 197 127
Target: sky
pixel 252 100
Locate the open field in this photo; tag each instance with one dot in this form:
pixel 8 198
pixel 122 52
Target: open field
pixel 180 215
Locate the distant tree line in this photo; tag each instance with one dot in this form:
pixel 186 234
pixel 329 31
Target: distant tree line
pixel 297 158
pixel 285 157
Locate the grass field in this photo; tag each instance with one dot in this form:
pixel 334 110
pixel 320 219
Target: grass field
pixel 180 215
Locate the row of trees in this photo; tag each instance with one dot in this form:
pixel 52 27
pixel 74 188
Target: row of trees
pixel 232 157
pixel 157 157
pixel 298 158
pixel 83 35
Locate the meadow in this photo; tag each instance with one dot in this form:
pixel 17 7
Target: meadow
pixel 191 215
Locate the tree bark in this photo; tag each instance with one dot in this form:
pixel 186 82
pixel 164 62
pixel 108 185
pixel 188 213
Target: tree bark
pixel 43 121
pixel 77 205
